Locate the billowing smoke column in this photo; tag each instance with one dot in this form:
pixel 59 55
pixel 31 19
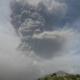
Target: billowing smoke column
pixel 40 27
pixel 36 23
pixel 44 14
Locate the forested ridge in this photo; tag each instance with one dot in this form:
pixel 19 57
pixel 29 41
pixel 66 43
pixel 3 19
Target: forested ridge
pixel 62 76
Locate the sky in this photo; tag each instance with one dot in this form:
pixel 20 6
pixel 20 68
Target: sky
pixel 38 37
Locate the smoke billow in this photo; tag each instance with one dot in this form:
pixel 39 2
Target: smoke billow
pixel 40 25
pixel 40 38
pixel 30 20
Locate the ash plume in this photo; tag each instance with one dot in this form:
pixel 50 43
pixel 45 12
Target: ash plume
pixel 40 38
pixel 29 20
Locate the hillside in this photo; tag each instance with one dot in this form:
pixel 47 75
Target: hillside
pixel 61 76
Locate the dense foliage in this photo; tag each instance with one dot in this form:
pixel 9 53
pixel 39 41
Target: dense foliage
pixel 66 77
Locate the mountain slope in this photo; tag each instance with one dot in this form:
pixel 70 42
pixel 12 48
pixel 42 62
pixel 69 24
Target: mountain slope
pixel 61 76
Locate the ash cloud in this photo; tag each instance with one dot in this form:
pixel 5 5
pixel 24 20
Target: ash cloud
pixel 33 17
pixel 29 20
pixel 46 12
pixel 49 44
pixel 53 12
pixel 41 26
pixel 38 28
pixel 42 18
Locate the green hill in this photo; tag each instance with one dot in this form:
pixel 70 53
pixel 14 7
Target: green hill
pixel 61 76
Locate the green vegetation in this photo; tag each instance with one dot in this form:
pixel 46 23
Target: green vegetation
pixel 54 76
